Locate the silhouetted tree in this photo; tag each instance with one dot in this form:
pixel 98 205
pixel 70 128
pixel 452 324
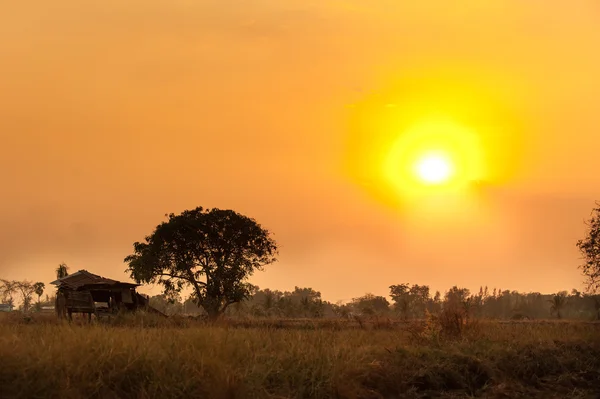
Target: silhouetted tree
pixel 410 301
pixel 62 271
pixel 38 288
pixel 435 305
pixel 370 304
pixel 476 301
pixel 213 251
pixel 7 289
pixel 419 295
pixel 456 296
pixel 590 249
pixel 400 294
pixel 341 309
pixel 302 302
pixel 269 300
pixel 557 303
pixel 458 301
pixel 311 304
pixel 26 289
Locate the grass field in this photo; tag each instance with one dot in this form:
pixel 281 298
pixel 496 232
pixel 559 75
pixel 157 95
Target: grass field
pixel 145 357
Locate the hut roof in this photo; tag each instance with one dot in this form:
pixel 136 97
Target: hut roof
pixel 83 278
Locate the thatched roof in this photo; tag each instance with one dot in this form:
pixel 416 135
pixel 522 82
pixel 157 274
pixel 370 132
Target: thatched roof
pixel 85 279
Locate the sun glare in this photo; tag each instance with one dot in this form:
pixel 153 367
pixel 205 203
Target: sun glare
pixel 433 157
pixel 430 135
pixel 434 169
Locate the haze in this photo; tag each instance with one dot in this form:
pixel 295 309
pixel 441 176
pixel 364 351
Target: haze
pixel 114 113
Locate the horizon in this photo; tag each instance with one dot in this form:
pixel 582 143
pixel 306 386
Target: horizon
pixel 153 289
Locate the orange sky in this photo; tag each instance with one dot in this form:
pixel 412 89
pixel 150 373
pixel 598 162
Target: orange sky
pixel 114 113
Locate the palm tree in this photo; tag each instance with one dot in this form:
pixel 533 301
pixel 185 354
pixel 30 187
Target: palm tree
pixel 62 271
pixel 557 303
pixel 39 290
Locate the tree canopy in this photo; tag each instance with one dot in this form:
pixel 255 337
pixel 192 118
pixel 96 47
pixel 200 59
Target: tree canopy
pixel 590 249
pixel 26 289
pixel 38 288
pixel 212 251
pixel 371 304
pixel 410 300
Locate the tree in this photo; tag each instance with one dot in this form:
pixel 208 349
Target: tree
pixel 410 300
pixel 400 294
pixel 435 305
pixel 370 304
pixel 27 290
pixel 557 303
pixel 62 271
pixel 212 251
pixel 309 302
pixel 7 289
pixel 269 300
pixel 590 249
pixel 457 295
pixel 341 310
pixel 419 299
pixel 38 288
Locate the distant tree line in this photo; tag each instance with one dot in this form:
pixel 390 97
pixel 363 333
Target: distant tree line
pixel 408 302
pixel 24 292
pixel 10 290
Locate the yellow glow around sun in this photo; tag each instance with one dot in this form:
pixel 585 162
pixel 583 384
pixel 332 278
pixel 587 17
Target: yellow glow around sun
pixel 434 135
pixel 433 157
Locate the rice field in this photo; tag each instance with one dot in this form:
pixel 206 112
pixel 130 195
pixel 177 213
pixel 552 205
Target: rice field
pixel 143 356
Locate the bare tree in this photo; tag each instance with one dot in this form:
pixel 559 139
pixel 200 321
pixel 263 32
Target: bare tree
pixel 7 289
pixel 26 288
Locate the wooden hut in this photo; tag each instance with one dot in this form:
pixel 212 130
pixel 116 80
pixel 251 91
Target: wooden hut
pixel 84 292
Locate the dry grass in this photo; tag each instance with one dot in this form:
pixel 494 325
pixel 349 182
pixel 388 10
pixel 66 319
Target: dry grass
pixel 148 357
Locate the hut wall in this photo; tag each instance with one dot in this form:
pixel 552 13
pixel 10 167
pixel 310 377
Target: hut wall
pixel 79 301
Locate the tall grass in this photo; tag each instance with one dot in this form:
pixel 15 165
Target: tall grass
pixel 145 357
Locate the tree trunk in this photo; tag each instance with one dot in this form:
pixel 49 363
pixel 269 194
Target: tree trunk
pixel 213 312
pixel 211 307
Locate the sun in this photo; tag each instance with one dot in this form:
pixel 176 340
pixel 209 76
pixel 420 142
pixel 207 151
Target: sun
pixel 433 157
pixel 430 135
pixel 434 168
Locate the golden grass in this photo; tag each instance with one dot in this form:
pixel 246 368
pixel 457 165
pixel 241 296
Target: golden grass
pixel 145 357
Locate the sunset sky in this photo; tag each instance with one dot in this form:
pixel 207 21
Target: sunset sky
pixel 114 113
